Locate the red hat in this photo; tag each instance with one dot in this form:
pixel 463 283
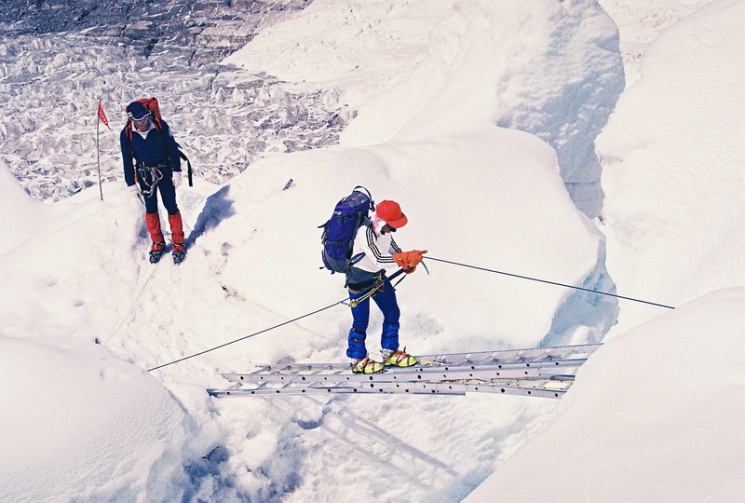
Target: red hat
pixel 390 212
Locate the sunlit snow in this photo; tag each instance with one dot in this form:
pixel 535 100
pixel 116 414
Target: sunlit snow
pixel 479 118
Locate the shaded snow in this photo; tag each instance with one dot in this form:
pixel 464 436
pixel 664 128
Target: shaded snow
pixel 23 216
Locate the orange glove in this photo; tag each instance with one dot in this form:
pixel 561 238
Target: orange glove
pixel 409 260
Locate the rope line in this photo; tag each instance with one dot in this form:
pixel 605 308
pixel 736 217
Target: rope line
pixel 548 282
pixel 371 291
pixel 373 288
pixel 248 336
pixel 132 307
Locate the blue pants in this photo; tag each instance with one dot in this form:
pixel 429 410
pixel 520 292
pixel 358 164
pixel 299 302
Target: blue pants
pixel 167 194
pixel 385 298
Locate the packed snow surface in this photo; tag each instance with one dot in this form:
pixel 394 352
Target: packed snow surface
pixel 656 415
pixel 81 424
pixel 84 315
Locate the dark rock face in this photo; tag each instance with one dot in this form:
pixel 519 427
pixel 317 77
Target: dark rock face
pixel 217 26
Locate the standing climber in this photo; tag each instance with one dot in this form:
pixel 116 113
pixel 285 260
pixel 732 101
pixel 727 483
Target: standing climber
pixel 374 252
pixel 151 165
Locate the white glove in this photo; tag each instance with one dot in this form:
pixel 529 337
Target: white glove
pixel 176 179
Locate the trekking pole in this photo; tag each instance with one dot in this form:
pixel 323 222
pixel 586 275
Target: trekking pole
pixel 548 282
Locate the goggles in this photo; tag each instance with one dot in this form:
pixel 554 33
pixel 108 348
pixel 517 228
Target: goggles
pixel 132 117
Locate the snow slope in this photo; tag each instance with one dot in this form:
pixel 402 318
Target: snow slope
pixel 639 27
pixel 444 67
pixel 657 413
pixel 674 214
pixel 22 215
pixel 253 262
pixel 81 424
pixel 489 196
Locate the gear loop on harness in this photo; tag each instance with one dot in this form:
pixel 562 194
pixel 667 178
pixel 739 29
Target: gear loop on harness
pixel 149 175
pixel 380 279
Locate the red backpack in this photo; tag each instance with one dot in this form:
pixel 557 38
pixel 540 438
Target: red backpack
pixel 152 105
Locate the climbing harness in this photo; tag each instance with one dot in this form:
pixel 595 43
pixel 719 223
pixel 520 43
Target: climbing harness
pixel 380 281
pixel 149 177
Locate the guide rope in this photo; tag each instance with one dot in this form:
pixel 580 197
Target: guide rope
pixel 599 292
pixel 369 292
pixel 132 307
pixel 247 336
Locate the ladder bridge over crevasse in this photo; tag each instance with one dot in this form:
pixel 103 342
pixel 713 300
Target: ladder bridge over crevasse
pixel 539 372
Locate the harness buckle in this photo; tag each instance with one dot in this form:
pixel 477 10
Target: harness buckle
pixel 149 177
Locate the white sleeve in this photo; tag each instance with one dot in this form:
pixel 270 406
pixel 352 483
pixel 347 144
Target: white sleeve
pixel 372 246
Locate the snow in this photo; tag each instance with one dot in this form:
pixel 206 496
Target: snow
pixel 62 435
pixel 23 216
pixel 656 413
pixel 660 429
pixel 674 181
pixel 440 67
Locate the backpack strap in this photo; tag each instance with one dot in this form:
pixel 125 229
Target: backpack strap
pixel 188 167
pixel 365 222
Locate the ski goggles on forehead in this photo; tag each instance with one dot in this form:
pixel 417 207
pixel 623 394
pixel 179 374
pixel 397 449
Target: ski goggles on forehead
pixel 147 115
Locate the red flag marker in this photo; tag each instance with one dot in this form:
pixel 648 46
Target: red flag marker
pixel 102 115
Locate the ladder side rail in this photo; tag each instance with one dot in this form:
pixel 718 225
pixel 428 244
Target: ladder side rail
pixel 392 388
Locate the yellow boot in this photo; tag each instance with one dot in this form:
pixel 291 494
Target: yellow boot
pixel 366 366
pixel 398 358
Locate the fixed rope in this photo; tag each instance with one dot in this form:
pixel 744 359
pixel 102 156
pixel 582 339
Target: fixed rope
pixel 247 336
pixel 374 288
pixel 368 293
pixel 599 292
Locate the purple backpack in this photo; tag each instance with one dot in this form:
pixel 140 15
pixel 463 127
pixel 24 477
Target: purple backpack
pixel 340 230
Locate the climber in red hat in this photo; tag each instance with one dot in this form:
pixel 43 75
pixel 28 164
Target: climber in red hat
pixel 373 252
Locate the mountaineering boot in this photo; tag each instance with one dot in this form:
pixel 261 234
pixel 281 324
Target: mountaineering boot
pixel 177 236
pixel 179 253
pixel 398 358
pixel 152 221
pixel 156 250
pixel 366 366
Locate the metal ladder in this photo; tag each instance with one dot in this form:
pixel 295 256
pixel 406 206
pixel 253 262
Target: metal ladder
pixel 541 372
